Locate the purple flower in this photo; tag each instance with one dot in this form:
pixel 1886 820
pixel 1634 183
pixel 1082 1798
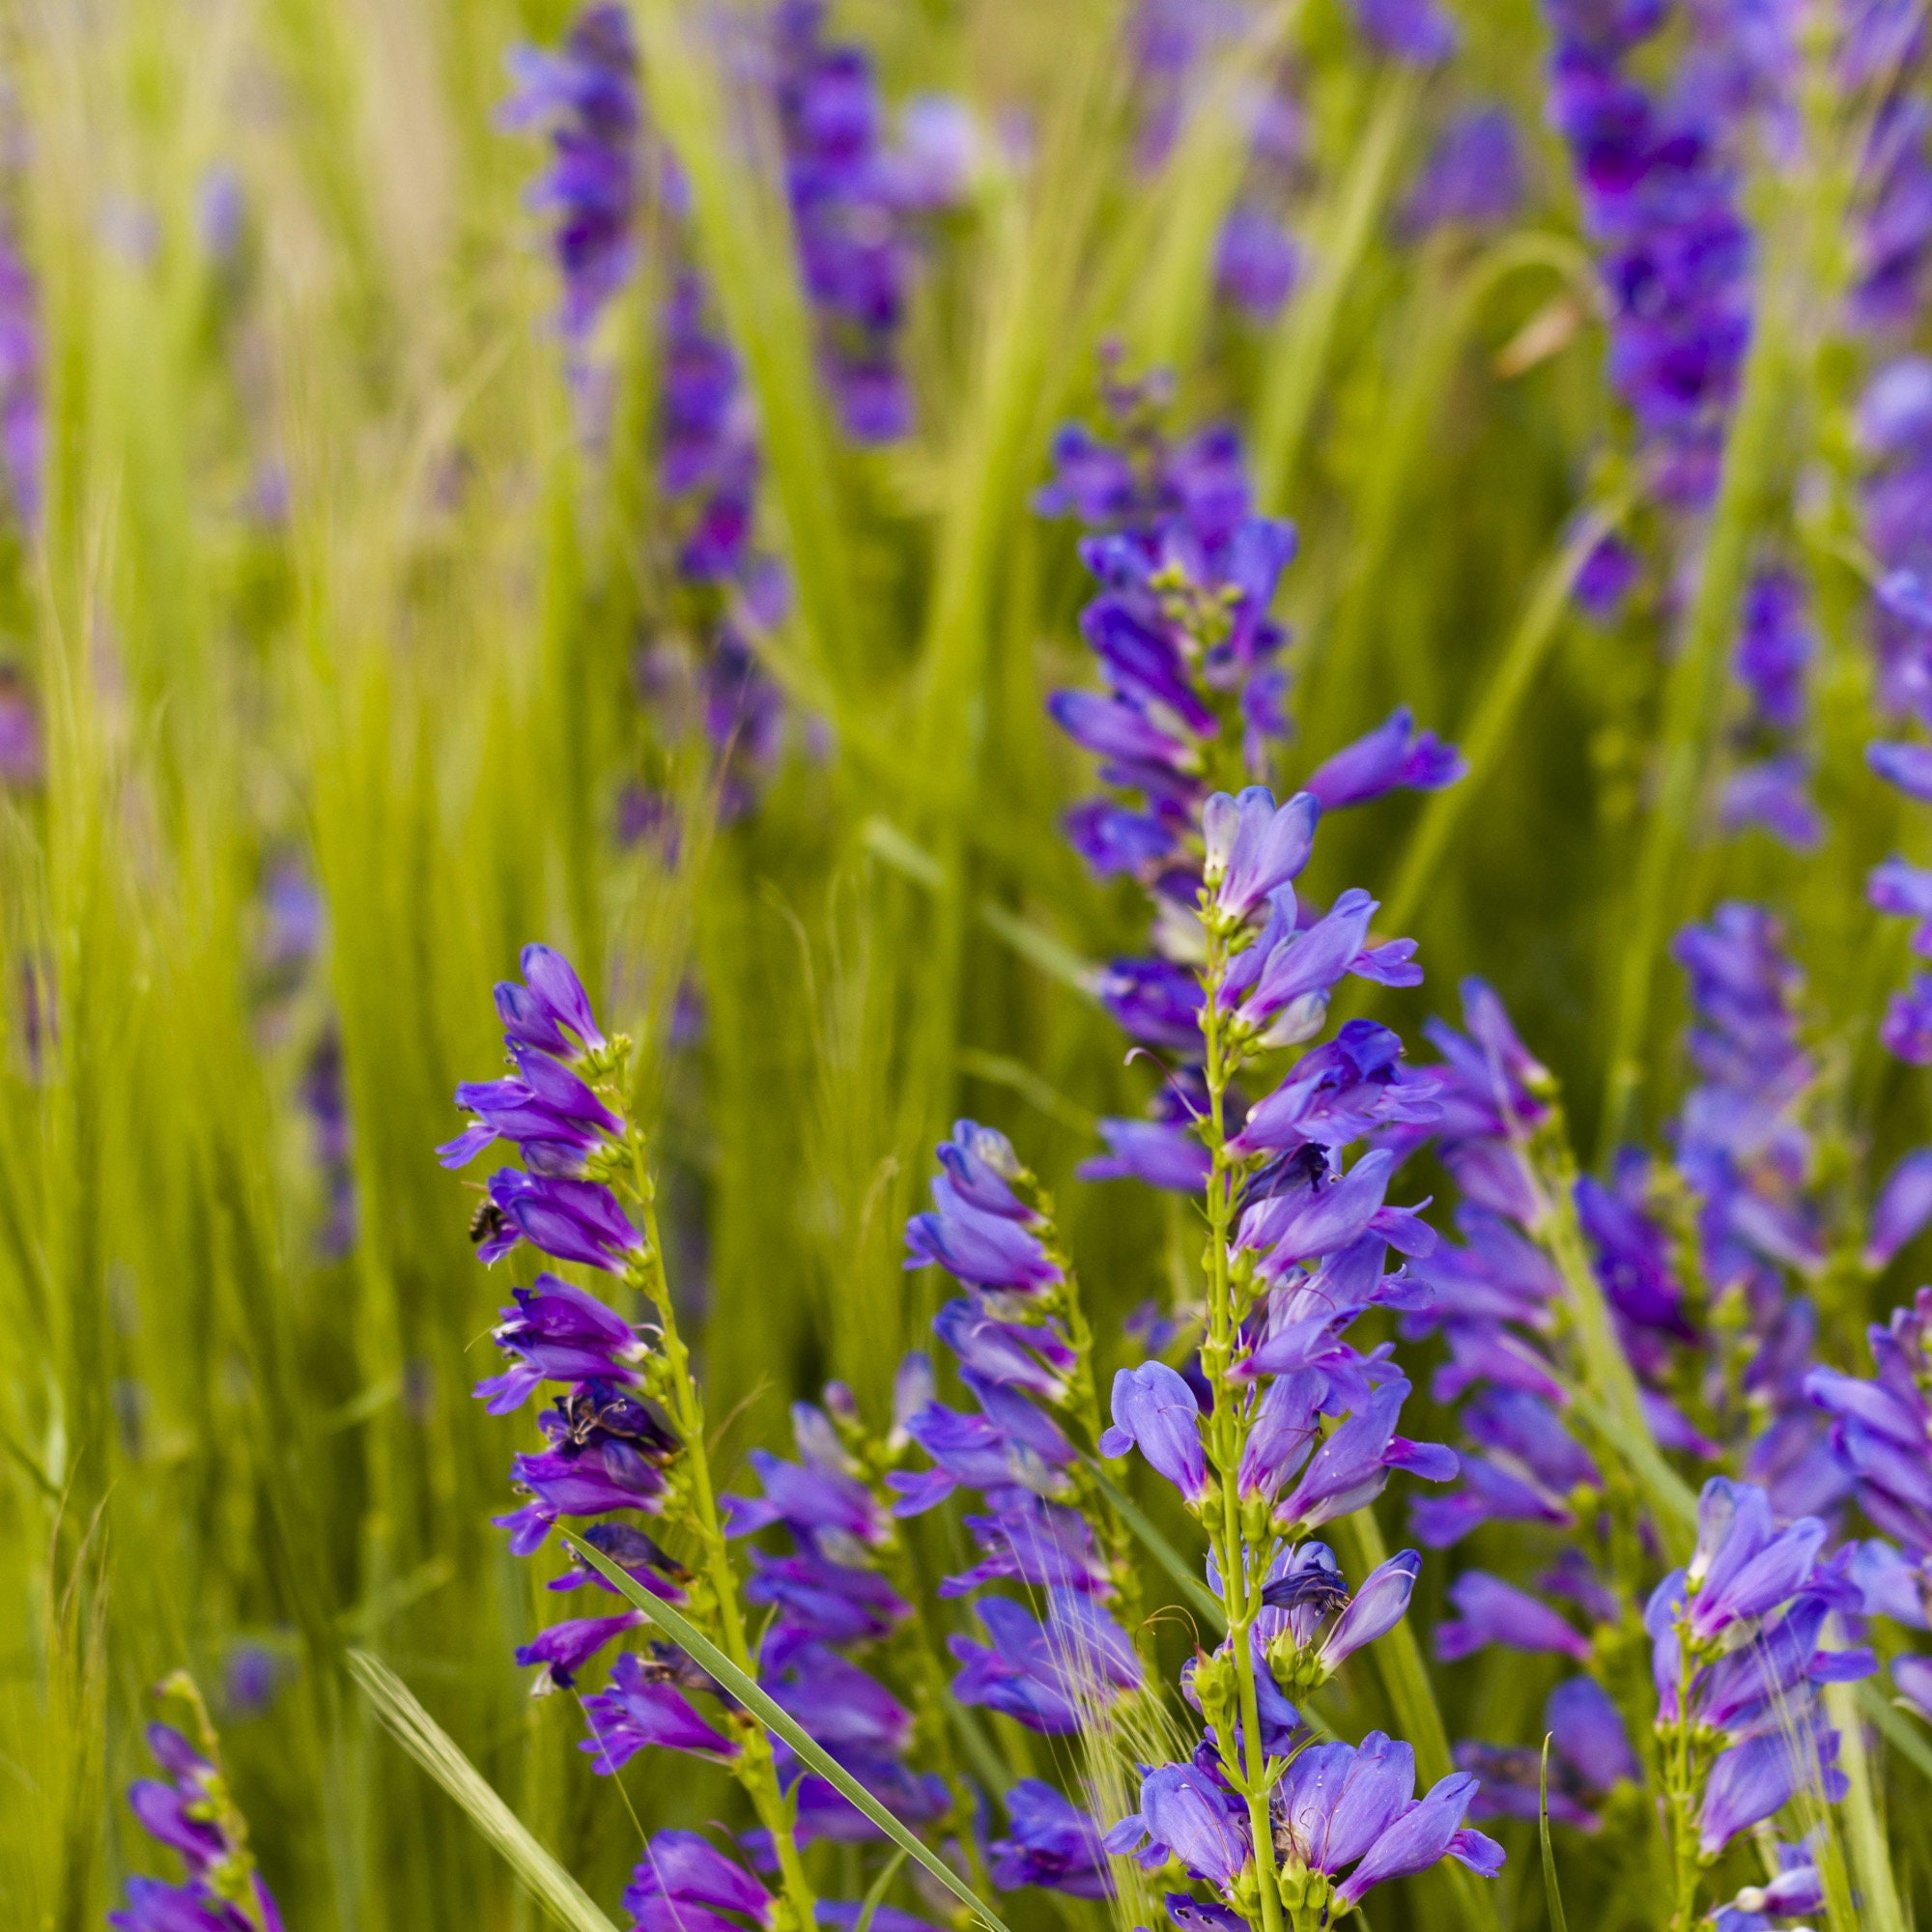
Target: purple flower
pixel 1306 1591
pixel 818 1598
pixel 1757 1778
pixel 559 1332
pixel 1743 1566
pixel 22 430
pixel 1906 1029
pixel 1345 1804
pixel 1352 1467
pixel 1050 1843
pixel 565 1648
pixel 1490 1611
pixel 986 1248
pixel 1912 1678
pixel 587 97
pixel 552 1115
pixel 1906 891
pixel 1154 1152
pixel 1256 261
pixel 1051 1677
pixel 571 1220
pixel 641 1707
pixel 1394 756
pixel 1909 767
pixel 1590 1755
pixel 1254 847
pixel 1185 1816
pixel 1156 1410
pixel 683 1884
pixel 1473 177
pixel 1416 31
pixel 22 755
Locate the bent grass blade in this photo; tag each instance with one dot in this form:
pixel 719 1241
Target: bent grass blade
pixel 702 1651
pixel 553 1888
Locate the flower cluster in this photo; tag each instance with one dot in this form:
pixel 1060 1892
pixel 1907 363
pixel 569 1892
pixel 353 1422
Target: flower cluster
pixel 1772 663
pixel 1879 1430
pixel 22 430
pixel 727 592
pixel 1660 201
pixel 192 1813
pixel 1194 700
pixel 855 204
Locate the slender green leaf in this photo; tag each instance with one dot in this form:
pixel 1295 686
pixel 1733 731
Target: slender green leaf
pixel 875 1897
pixel 553 1888
pixel 780 1722
pixel 1552 1891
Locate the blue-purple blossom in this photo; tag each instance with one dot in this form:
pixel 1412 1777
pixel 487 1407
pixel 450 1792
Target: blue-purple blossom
pixel 1050 1842
pixel 684 1884
pixel 1393 756
pixel 1154 1411
pixel 1053 1676
pixel 1490 1611
pixel 641 1707
pixel 1185 1814
pixel 1473 177
pixel 191 1816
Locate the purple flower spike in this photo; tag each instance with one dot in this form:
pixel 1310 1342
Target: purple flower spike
pixel 1490 1611
pixel 1155 1409
pixel 987 1249
pixel 1394 756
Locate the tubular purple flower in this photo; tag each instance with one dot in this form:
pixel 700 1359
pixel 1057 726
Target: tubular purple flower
pixel 565 1648
pixel 1757 1779
pixel 559 1332
pixel 1904 890
pixel 1155 1409
pixel 1254 847
pixel 1298 970
pixel 1428 1829
pixel 1394 756
pixel 683 1884
pixel 1906 1029
pixel 1052 1677
pixel 571 1220
pixel 1909 767
pixel 989 1250
pixel 1903 1208
pixel 638 1709
pixel 1050 1843
pixel 550 1011
pixel 1185 1816
pixel 1154 1152
pixel 1490 1611
pixel 1351 1469
pixel 1379 1606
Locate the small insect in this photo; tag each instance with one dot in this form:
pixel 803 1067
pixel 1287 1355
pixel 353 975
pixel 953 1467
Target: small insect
pixel 487 1223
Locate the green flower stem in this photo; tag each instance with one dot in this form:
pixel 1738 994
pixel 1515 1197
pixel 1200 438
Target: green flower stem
pixel 754 1767
pixel 1215 1353
pixel 1692 705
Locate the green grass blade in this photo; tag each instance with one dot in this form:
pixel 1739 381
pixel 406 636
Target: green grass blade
pixel 559 1895
pixel 1200 1597
pixel 1488 734
pixel 1299 356
pixel 878 1895
pixel 1552 1891
pixel 1864 1829
pixel 780 1722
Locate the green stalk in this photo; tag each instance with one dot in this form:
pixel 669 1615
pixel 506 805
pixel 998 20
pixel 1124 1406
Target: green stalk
pixel 1298 353
pixel 1693 707
pixel 1215 1353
